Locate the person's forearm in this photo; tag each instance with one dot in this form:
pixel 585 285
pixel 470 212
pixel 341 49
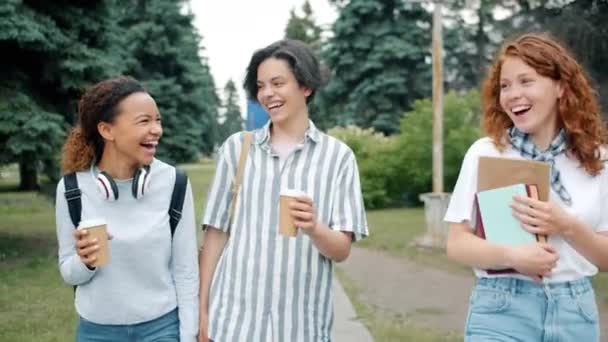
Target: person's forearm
pixel 74 271
pixel 213 244
pixel 332 244
pixel 591 245
pixel 469 249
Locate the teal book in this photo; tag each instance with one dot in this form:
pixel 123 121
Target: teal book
pixel 495 216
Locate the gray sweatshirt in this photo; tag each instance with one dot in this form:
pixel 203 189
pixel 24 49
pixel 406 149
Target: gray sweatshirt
pixel 148 274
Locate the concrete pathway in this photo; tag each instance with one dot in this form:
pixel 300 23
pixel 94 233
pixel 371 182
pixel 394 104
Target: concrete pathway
pixel 346 327
pixel 427 297
pixel 432 298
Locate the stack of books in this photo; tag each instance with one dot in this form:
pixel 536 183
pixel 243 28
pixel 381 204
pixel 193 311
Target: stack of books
pixel 499 180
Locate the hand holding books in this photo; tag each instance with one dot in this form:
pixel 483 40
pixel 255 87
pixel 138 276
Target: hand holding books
pixel 506 187
pixel 496 221
pixel 535 259
pixel 538 217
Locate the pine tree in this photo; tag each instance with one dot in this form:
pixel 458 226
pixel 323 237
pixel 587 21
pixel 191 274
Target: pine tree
pixel 379 57
pixel 233 120
pixel 165 47
pixel 51 52
pixel 304 27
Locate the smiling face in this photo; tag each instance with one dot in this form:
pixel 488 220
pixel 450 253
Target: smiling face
pixel 529 99
pixel 136 130
pixel 279 92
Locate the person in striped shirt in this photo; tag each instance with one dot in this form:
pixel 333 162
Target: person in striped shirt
pixel 258 285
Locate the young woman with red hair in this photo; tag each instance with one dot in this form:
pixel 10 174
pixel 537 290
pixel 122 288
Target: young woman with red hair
pixel 539 105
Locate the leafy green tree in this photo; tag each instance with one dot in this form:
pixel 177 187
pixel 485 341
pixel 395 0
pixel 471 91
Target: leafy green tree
pixel 51 52
pixel 165 47
pixel 304 27
pixel 375 153
pixel 379 56
pixel 395 170
pixel 413 160
pixel 233 120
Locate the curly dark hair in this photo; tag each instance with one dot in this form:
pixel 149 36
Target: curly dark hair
pixel 99 104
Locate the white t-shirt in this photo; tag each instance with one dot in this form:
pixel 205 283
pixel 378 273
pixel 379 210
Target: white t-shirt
pixel 589 204
pixel 284 150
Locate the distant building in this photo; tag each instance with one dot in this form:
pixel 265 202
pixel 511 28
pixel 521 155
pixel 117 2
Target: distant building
pixel 256 116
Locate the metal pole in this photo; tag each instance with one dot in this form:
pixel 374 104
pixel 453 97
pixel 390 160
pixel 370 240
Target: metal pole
pixel 437 101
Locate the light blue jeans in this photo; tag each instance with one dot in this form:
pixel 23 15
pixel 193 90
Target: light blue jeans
pixel 162 329
pixel 509 309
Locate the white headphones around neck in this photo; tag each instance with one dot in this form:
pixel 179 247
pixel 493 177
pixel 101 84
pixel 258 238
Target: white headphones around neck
pixel 109 190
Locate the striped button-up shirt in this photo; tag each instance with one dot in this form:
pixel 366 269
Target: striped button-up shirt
pixel 268 287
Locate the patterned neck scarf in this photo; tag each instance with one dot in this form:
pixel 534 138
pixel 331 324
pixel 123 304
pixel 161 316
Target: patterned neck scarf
pixel 524 144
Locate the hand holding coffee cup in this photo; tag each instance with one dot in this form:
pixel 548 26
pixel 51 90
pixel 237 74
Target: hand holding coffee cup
pixel 92 243
pixel 297 211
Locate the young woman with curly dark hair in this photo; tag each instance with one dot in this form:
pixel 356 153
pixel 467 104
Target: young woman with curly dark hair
pixel 148 291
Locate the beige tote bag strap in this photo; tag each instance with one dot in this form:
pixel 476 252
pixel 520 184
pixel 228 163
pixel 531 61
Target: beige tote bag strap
pixel 248 137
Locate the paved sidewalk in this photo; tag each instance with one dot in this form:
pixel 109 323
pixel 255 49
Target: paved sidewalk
pixel 346 327
pixel 432 298
pixel 428 297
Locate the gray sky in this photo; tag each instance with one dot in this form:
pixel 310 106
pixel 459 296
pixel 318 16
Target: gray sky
pixel 233 29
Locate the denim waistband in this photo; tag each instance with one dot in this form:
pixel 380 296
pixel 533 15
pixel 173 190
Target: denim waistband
pixel 515 286
pixel 169 316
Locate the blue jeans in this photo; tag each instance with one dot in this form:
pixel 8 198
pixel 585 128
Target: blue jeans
pixel 162 329
pixel 509 309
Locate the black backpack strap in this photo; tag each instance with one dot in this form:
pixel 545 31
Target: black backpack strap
pixel 72 196
pixel 177 199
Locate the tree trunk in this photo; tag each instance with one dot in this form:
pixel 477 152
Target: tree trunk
pixel 28 175
pixel 481 38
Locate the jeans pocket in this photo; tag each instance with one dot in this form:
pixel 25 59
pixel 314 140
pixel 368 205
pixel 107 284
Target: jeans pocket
pixel 587 306
pixel 488 301
pixel 579 309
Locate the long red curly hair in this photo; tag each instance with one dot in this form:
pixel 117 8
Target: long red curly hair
pixel 578 108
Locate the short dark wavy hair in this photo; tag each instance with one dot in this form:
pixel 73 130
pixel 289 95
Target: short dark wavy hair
pixel 300 58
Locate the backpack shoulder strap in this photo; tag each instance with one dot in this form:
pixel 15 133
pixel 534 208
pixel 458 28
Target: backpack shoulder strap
pixel 247 138
pixel 72 196
pixel 177 199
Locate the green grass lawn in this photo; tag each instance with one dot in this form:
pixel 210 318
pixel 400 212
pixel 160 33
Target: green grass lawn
pixel 35 304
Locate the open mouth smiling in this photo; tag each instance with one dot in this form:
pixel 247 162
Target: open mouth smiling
pixel 149 145
pixel 520 110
